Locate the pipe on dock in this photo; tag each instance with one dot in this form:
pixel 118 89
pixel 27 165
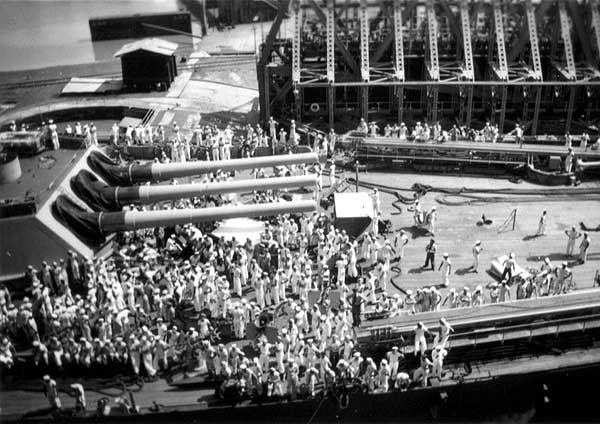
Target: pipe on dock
pixel 582 166
pixel 132 220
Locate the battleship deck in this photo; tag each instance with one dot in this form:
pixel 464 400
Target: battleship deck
pixel 484 377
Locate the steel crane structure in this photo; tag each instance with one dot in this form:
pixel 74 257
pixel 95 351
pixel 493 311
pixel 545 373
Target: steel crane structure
pixel 453 61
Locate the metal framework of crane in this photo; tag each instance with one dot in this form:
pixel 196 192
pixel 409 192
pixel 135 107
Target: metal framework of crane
pixel 459 61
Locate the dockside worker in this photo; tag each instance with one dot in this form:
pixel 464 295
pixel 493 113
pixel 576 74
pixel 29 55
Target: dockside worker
pixel 509 267
pixel 431 221
pixel 115 134
pixel 569 160
pixel 584 247
pixel 272 128
pixel 420 341
pixel 79 394
pixel 446 268
pixel 542 224
pixel 332 139
pixel 430 249
pixel 572 235
pixel 53 134
pixel 87 135
pixel 93 134
pixel 282 137
pixel 445 330
pixel 51 393
pixel 393 357
pixel 519 135
pixel 438 355
pixel 476 251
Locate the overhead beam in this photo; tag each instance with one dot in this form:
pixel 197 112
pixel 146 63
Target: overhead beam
pixel 454 83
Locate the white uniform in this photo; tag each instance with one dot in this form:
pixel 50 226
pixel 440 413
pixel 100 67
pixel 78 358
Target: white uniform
pixel 420 341
pixel 445 268
pixel 476 252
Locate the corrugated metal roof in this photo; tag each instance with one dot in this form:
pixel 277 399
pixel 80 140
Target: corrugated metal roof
pixel 155 45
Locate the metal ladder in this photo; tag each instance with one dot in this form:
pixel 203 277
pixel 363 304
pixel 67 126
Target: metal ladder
pixel 500 43
pixel 565 31
pixel 330 40
pixel 468 72
pixel 533 41
pixel 596 24
pixel 399 42
pixel 434 65
pixel 297 20
pixel 364 41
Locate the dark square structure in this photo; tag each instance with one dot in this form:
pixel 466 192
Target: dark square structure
pixel 148 64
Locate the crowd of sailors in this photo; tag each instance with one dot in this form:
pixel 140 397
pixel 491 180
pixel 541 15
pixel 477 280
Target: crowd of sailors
pixel 158 302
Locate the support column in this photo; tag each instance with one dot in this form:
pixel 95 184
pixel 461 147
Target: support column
pixel 400 94
pixel 503 97
pixel 536 110
pixel 469 106
pixel 267 91
pixel 570 106
pixel 331 104
pixel 364 102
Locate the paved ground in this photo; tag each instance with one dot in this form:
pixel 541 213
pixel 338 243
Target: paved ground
pixel 457 229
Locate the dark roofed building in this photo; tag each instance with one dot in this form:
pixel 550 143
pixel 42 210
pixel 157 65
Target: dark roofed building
pixel 148 64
